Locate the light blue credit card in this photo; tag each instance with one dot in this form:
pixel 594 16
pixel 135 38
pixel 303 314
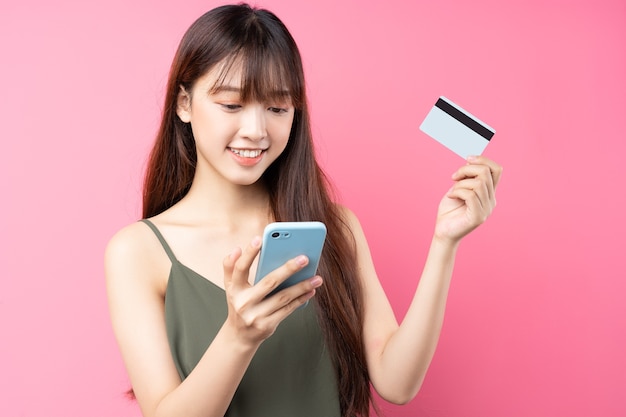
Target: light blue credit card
pixel 457 129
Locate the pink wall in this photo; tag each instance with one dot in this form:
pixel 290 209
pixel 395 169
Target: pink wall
pixel 536 322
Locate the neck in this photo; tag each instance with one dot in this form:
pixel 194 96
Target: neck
pixel 213 200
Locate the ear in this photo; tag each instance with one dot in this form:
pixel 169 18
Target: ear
pixel 183 105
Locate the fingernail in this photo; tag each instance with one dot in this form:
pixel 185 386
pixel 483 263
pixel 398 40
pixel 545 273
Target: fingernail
pixel 256 241
pixel 301 260
pixel 316 282
pixel 472 158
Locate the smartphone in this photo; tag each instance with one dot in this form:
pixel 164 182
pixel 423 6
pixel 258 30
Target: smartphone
pixel 286 240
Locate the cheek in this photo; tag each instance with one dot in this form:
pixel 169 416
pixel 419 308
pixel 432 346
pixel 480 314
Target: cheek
pixel 211 129
pixel 283 138
pixel 283 129
pixel 280 137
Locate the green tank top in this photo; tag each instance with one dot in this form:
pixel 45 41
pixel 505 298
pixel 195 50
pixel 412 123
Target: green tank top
pixel 291 374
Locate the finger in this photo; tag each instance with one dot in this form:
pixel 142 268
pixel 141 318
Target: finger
pixel 229 265
pixel 480 172
pixel 289 299
pixel 478 186
pixel 271 320
pixel 475 210
pixel 468 195
pixel 272 280
pixel 473 170
pixel 241 268
pixel 496 169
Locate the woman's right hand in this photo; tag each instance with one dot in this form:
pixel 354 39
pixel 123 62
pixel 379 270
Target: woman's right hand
pixel 252 314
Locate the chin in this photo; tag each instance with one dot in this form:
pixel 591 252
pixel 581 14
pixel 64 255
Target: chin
pixel 246 181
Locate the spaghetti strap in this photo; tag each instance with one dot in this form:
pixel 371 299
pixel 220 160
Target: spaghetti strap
pixel 158 234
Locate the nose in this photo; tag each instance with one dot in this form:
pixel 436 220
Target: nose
pixel 253 122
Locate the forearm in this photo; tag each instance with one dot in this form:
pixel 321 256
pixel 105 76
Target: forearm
pixel 408 353
pixel 209 388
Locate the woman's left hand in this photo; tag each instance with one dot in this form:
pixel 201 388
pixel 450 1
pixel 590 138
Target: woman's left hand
pixel 471 199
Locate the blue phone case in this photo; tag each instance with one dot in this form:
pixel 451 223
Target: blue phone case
pixel 286 240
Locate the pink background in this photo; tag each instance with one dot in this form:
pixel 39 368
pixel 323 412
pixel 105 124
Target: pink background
pixel 536 320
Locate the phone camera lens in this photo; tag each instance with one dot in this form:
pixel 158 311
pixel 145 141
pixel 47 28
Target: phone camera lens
pixel 275 235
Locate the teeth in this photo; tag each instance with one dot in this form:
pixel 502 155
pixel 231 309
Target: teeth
pixel 247 153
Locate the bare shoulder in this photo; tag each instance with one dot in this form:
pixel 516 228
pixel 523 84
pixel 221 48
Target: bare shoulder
pixel 131 242
pixel 351 221
pixel 135 253
pixel 345 212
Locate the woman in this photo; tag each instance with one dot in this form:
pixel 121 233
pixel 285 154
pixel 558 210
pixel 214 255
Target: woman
pixel 234 153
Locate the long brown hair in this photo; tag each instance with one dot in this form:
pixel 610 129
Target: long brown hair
pixel 298 189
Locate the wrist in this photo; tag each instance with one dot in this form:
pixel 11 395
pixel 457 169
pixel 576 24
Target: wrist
pixel 445 243
pixel 239 343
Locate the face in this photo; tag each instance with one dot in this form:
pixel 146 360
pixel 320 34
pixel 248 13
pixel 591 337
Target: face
pixel 236 141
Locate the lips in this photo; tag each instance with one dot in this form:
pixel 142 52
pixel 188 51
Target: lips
pixel 247 157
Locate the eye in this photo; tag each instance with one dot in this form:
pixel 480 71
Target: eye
pixel 277 110
pixel 231 107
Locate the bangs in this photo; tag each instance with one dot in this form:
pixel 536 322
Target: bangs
pixel 267 75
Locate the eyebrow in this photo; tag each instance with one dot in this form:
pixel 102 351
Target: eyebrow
pixel 227 88
pixel 231 89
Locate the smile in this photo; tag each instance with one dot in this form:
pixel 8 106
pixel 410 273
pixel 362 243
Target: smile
pixel 247 153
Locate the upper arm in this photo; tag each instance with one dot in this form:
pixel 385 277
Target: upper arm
pixel 134 276
pixel 379 322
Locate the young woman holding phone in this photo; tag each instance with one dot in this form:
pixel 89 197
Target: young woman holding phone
pixel 234 153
